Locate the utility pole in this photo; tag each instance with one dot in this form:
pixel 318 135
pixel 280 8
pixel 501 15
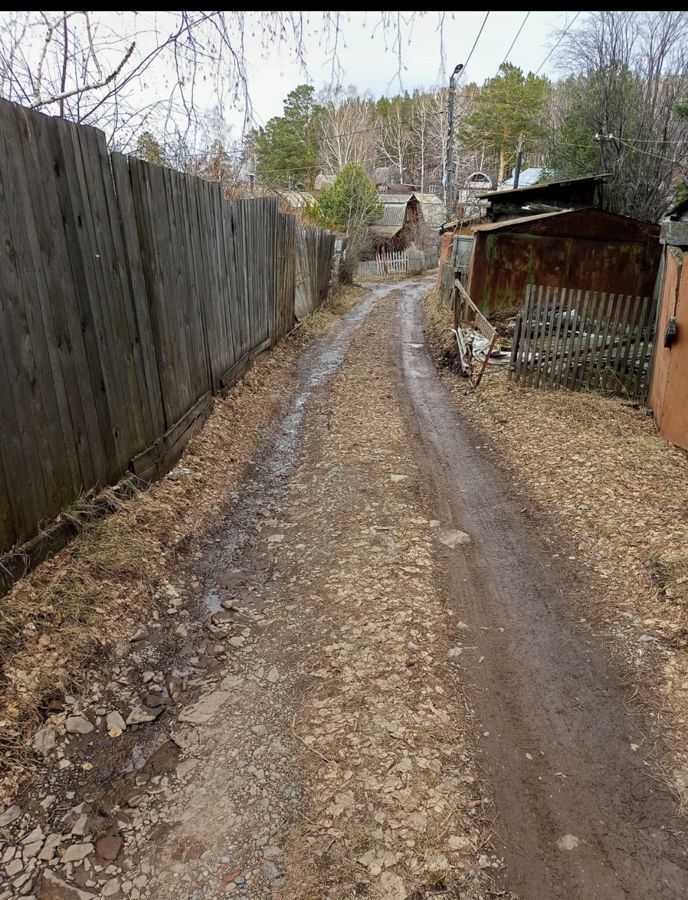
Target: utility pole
pixel 519 160
pixel 450 141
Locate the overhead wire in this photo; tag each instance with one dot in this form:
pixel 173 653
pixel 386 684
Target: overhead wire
pixel 508 52
pixel 561 38
pixel 475 42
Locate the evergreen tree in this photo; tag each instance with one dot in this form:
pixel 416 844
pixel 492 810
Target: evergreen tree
pixel 286 148
pixel 507 109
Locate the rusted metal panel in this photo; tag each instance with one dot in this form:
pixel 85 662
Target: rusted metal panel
pixel 587 248
pixel 669 385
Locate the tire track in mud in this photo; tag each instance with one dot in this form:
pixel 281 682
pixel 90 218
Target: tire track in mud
pixel 579 815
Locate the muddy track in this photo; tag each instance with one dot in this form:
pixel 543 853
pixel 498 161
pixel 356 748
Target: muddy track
pixel 579 815
pixel 296 719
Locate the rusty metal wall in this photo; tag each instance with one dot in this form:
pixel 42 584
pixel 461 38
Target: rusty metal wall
pixel 669 385
pixel 503 263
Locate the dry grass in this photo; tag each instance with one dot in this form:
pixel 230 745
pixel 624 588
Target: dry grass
pixel 616 494
pixel 60 622
pixel 340 300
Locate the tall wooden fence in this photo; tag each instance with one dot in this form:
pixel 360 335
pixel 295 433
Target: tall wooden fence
pixel 129 295
pixel 580 339
pixel 314 254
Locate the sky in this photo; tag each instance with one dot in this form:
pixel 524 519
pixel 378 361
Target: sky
pixel 370 64
pixel 368 57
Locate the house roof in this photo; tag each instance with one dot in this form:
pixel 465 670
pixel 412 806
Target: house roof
pixel 392 219
pixel 296 199
pixel 586 223
pixel 432 209
pixel 539 189
pixel 395 199
pixel 527 178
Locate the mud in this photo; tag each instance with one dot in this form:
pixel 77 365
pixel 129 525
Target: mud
pixel 579 811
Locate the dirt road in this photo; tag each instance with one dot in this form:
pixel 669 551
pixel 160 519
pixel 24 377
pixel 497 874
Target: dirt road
pixel 376 683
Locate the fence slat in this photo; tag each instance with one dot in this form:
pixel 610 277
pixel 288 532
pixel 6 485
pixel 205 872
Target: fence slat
pixel 573 339
pixel 128 293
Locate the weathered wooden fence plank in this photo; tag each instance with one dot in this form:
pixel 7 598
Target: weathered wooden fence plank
pixel 129 293
pixel 575 339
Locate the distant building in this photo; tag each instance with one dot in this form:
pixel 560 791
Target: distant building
pixel 469 207
pixel 410 218
pixel 323 180
pixel 527 178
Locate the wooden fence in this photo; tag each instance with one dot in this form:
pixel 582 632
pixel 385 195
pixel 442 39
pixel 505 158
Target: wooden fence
pixel 397 262
pixel 129 295
pixel 580 339
pixel 314 255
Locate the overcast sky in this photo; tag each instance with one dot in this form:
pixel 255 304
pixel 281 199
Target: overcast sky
pixel 372 66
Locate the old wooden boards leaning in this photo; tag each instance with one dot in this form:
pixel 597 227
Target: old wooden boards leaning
pixel 582 339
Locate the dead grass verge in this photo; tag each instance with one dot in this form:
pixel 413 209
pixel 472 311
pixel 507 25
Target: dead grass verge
pixel 616 494
pixel 59 623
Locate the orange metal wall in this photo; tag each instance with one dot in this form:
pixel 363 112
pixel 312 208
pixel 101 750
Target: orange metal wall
pixel 503 263
pixel 669 385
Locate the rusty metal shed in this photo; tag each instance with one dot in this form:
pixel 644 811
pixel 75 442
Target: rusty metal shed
pixel 588 249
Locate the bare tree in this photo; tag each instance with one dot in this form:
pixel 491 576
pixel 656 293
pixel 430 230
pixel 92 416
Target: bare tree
pixel 346 131
pixel 619 108
pixel 395 140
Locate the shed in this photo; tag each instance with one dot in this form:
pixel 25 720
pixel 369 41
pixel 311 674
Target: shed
pixel 531 200
pixel 431 210
pixel 590 249
pixel 392 229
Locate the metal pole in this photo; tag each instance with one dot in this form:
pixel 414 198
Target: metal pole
pixel 450 141
pixel 519 159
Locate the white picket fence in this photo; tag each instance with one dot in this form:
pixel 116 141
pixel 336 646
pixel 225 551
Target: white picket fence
pixel 399 262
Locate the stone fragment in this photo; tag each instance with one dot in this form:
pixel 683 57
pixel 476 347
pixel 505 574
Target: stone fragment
pixel 11 814
pixel 204 709
pixel 44 740
pixel 78 725
pixel 453 538
pixel 115 723
pixel 110 888
pixel 567 842
pixel 108 846
pixel 141 714
pixel 77 852
pixel 54 888
pixel 32 849
pixel 14 868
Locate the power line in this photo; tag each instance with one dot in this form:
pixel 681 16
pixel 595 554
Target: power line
pixel 475 42
pixel 670 159
pixel 561 38
pixel 515 39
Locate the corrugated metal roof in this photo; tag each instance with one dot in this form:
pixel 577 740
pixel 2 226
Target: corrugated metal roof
pixel 545 186
pixel 527 178
pixel 382 231
pixel 432 209
pixel 395 198
pixel 393 215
